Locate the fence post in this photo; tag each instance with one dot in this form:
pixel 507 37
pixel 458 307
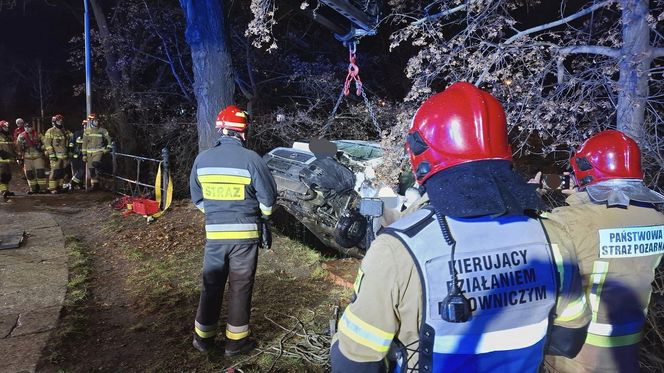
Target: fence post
pixel 115 165
pixel 164 175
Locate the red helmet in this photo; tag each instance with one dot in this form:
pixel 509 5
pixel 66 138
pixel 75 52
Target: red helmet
pixel 4 125
pixel 57 117
pixel 607 155
pixel 232 118
pixel 459 125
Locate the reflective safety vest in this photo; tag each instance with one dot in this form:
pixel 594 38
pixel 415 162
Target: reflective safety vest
pixel 507 271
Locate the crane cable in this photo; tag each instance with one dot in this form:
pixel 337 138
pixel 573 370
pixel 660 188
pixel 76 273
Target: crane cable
pixel 352 76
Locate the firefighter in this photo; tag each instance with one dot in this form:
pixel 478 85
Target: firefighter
pixel 30 147
pixel 233 186
pixel 77 165
pixel 96 143
pixel 20 127
pixel 469 282
pixel 7 156
pixel 618 236
pixel 56 148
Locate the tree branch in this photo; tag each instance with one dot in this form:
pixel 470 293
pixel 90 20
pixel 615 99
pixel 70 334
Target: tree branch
pixel 590 49
pixel 442 14
pixel 582 49
pixel 657 52
pixel 559 22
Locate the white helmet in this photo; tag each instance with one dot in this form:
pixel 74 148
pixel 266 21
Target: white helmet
pixel 20 122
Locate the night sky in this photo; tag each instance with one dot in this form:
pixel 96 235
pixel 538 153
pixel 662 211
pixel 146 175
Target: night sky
pixel 32 32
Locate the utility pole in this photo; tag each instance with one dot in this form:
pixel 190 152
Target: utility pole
pixel 88 64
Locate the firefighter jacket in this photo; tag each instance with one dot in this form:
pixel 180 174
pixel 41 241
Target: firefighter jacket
pixel 618 250
pixel 30 144
pixel 96 140
pixel 6 148
pixel 513 276
pixel 76 144
pixel 233 186
pixel 56 143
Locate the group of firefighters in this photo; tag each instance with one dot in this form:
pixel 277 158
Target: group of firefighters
pixel 55 161
pixel 477 276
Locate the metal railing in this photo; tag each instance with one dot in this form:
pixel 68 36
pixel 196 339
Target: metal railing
pixel 139 185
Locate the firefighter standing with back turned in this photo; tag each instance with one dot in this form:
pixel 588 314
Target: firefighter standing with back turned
pixel 96 143
pixel 619 238
pixel 7 156
pixel 56 144
pixel 237 192
pixel 511 272
pixel 30 147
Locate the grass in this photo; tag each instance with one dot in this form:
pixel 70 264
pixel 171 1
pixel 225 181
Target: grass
pixel 289 282
pixel 73 320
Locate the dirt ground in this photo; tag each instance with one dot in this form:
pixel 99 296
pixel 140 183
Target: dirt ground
pixel 140 292
pixel 131 303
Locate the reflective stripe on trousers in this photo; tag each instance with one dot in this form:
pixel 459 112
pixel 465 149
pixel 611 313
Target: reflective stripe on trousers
pixel 237 264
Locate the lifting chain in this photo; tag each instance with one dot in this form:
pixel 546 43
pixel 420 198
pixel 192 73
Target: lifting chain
pixel 353 76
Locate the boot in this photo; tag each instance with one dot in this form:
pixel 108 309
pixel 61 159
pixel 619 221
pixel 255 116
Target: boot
pixel 239 347
pixel 204 345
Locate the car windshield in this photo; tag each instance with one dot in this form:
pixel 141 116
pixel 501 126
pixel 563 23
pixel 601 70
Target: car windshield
pixel 360 150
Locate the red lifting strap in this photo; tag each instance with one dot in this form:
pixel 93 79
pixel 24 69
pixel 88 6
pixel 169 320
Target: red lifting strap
pixel 353 72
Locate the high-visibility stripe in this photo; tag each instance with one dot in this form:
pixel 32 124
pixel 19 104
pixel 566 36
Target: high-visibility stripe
pixel 223 171
pixel 364 333
pixel 6 143
pixel 574 309
pixel 265 210
pixel 224 179
pixel 231 227
pixel 5 161
pixel 201 206
pixel 231 235
pixel 615 341
pixel 204 334
pixel 600 268
pixel 510 339
pixel 615 329
pixel 236 336
pixel 94 134
pixel 560 263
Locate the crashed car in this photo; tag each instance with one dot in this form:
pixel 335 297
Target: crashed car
pixel 324 194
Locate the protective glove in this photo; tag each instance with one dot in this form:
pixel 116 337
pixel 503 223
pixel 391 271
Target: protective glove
pixel 85 159
pixel 266 236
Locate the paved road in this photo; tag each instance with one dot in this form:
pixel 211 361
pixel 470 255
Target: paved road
pixel 33 283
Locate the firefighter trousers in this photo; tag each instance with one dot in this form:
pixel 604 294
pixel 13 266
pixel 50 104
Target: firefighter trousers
pixel 237 264
pixel 35 173
pixel 78 167
pixel 94 164
pixel 5 175
pixel 58 172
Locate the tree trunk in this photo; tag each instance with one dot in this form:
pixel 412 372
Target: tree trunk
pixel 634 65
pixel 123 131
pixel 214 85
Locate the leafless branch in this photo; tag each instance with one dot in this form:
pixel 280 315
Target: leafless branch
pixel 442 14
pixel 582 49
pixel 559 22
pixel 657 52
